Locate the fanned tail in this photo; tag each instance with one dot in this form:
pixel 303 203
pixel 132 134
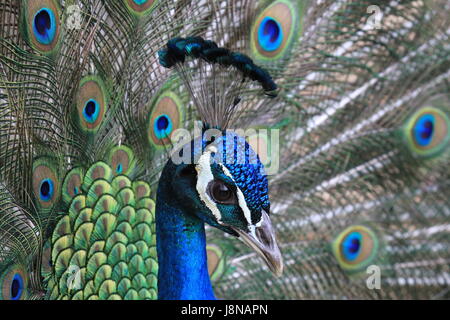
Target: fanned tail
pixel 362 109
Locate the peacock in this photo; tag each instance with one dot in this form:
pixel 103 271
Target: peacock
pixel 239 149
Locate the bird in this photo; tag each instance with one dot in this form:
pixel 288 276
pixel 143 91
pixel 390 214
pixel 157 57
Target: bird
pixel 241 149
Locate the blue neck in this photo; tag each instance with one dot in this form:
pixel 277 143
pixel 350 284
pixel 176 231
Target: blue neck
pixel 181 247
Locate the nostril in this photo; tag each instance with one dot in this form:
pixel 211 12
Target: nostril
pixel 262 236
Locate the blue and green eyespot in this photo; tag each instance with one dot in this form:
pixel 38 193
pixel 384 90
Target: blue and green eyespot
pixel 427 132
pixel 275 30
pixel 45 182
pixel 92 103
pixel 351 246
pixel 72 184
pixel 355 248
pixel 41 24
pixel 165 117
pixel 119 168
pixel 122 160
pixel 423 130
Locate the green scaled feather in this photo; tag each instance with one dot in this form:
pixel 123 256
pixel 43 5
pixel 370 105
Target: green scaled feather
pixel 105 237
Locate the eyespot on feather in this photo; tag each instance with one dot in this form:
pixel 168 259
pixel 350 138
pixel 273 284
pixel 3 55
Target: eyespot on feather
pixel 121 160
pixel 13 283
pixel 140 7
pixel 427 132
pixel 45 182
pixel 355 248
pixel 41 21
pixel 275 30
pixel 166 117
pixel 72 184
pixel 91 103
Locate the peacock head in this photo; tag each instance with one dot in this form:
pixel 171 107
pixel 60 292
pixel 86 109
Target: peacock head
pixel 226 187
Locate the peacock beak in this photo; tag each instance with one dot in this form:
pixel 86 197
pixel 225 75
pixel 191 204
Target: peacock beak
pixel 262 239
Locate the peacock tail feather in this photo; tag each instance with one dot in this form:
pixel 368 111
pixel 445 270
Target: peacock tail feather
pixel 361 113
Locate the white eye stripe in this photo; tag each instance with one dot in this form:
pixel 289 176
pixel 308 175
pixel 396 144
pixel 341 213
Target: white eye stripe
pixel 241 200
pixel 204 177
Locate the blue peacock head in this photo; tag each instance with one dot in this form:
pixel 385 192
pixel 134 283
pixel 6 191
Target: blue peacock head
pixel 225 184
pixel 226 187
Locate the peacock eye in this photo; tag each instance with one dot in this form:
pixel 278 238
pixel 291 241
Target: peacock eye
pixel 221 193
pixel 16 287
pixel 46 190
pixel 91 111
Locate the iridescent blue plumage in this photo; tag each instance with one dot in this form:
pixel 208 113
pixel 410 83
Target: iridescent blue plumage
pixel 244 164
pixel 247 170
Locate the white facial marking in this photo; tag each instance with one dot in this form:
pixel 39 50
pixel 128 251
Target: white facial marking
pixel 242 203
pixel 204 177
